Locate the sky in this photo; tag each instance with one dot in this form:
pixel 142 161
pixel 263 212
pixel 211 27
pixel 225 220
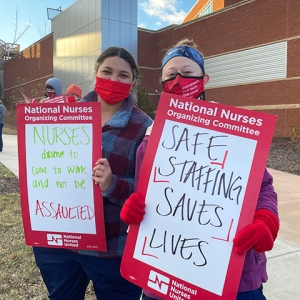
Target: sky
pixel 152 14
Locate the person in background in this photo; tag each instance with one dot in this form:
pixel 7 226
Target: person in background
pixel 74 92
pixel 2 116
pixel 53 88
pixel 67 273
pixel 183 70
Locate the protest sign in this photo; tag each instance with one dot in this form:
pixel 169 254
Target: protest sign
pixel 200 177
pixel 27 99
pixel 57 99
pixel 58 145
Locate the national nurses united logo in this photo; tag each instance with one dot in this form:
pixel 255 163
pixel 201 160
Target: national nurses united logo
pixel 158 282
pixel 54 239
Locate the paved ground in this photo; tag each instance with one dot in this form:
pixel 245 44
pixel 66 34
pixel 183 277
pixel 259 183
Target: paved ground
pixel 283 260
pixel 9 155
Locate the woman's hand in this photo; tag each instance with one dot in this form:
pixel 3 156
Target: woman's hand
pixel 260 235
pixel 102 174
pixel 133 209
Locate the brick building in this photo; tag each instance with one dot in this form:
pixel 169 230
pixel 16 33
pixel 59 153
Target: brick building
pixel 236 37
pixel 251 48
pixel 204 7
pixel 28 71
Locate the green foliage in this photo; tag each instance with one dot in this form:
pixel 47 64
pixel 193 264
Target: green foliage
pixel 34 93
pixel 295 134
pixel 38 92
pixel 16 93
pixel 143 101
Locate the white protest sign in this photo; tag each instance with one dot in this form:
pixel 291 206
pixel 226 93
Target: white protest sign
pixel 58 146
pixel 201 177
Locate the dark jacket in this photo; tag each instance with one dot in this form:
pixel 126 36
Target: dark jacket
pixel 121 136
pixel 2 113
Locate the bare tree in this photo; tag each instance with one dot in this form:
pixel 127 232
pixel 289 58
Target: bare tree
pixel 18 35
pixel 8 49
pixel 43 29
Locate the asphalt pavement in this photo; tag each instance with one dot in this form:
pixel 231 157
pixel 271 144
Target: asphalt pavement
pixel 283 261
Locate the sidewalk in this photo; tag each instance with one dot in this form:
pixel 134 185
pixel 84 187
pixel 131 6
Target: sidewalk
pixel 283 260
pixel 9 155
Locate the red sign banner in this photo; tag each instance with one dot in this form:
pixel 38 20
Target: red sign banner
pixel 201 178
pixel 58 145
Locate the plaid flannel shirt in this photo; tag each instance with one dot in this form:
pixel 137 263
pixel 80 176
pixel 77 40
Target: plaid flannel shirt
pixel 121 136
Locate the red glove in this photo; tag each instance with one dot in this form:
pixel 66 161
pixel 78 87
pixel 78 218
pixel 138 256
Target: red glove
pixel 133 209
pixel 260 235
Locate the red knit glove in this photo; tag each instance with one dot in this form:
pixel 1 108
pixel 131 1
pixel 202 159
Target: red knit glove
pixel 133 209
pixel 260 235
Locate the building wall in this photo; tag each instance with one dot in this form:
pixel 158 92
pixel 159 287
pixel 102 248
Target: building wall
pixel 231 2
pixel 199 5
pixel 28 71
pixel 246 26
pixel 84 30
pixel 80 34
pixel 236 29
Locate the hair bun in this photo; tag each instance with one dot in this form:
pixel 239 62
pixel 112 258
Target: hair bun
pixel 187 42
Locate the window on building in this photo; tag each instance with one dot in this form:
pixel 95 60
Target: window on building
pixel 207 9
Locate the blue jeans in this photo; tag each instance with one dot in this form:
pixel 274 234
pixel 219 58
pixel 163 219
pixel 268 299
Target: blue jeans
pixel 251 295
pixel 67 275
pixel 1 141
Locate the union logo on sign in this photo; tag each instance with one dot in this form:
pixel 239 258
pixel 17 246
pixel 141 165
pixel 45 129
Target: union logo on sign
pixel 54 239
pixel 158 282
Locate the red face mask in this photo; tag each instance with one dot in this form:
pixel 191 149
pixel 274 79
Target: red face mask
pixel 112 92
pixel 51 95
pixel 185 86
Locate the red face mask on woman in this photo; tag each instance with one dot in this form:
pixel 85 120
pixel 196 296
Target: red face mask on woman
pixel 186 86
pixel 110 91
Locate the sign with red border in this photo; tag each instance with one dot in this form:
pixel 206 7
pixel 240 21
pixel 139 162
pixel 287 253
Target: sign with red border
pixel 58 145
pixel 201 178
